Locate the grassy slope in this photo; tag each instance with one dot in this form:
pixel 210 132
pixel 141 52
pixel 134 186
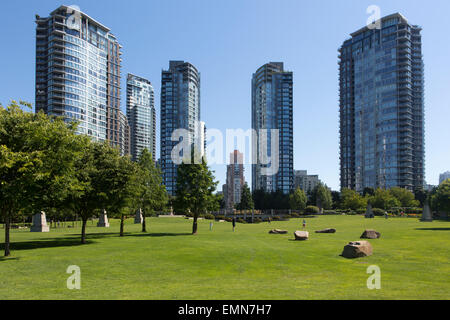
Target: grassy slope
pixel 168 263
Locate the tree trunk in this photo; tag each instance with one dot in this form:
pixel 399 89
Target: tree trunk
pixel 195 226
pixel 144 226
pixel 121 225
pixel 7 228
pixel 83 231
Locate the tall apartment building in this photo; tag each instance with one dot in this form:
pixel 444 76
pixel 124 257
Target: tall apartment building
pixel 304 181
pixel 141 115
pixel 78 73
pixel 272 109
pixel 382 107
pixel 180 109
pixel 235 180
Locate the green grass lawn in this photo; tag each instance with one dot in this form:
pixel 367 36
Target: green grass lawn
pixel 168 263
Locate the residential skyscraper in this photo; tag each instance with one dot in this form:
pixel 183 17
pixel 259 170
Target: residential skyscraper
pixel 272 109
pixel 78 73
pixel 382 107
pixel 180 109
pixel 141 115
pixel 235 180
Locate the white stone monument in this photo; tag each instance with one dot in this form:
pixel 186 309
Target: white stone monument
pixel 40 223
pixel 427 216
pixel 103 220
pixel 139 219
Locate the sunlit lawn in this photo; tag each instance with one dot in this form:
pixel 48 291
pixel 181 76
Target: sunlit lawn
pixel 169 263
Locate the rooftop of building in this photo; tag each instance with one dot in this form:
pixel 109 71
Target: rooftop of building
pixel 73 9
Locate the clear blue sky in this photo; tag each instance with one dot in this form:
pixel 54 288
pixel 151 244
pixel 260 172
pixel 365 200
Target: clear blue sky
pixel 228 40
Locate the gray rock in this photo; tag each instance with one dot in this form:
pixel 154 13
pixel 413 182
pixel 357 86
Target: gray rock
pixel 327 231
pixel 357 249
pixel 371 234
pixel 277 231
pixel 301 235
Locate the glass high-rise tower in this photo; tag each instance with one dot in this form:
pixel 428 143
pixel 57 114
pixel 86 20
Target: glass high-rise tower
pixel 141 116
pixel 180 109
pixel 272 109
pixel 382 107
pixel 78 73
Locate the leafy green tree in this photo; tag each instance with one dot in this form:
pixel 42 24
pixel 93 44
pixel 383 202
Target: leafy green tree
pixel 350 199
pixel 336 197
pixel 298 200
pixel 368 192
pixel 261 200
pixel 91 192
pixel 36 163
pixel 323 197
pixel 405 197
pixel 152 194
pixel 441 198
pixel 121 175
pixel 246 199
pixel 383 199
pixel 195 187
pixel 421 195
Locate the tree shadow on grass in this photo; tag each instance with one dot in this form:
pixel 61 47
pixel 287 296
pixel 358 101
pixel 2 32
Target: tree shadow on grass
pixel 130 234
pixel 433 229
pixel 47 243
pixel 76 241
pixel 159 235
pixel 8 259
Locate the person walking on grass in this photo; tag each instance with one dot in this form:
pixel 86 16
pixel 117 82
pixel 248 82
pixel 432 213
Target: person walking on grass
pixel 234 224
pixel 304 224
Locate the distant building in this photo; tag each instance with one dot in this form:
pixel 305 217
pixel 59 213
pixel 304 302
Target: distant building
pixel 304 181
pixel 429 187
pixel 141 115
pixel 235 180
pixel 272 109
pixel 444 176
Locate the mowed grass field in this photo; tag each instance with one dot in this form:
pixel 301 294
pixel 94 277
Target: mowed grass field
pixel 168 263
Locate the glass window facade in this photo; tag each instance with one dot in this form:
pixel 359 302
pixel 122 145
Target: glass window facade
pixel 141 116
pixel 381 107
pixel 78 74
pixel 180 109
pixel 272 109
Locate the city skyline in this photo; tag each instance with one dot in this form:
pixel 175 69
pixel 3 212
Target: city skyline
pixel 312 158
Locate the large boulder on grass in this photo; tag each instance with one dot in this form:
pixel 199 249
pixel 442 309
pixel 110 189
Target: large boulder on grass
pixel 357 249
pixel 301 235
pixel 277 231
pixel 371 234
pixel 327 231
